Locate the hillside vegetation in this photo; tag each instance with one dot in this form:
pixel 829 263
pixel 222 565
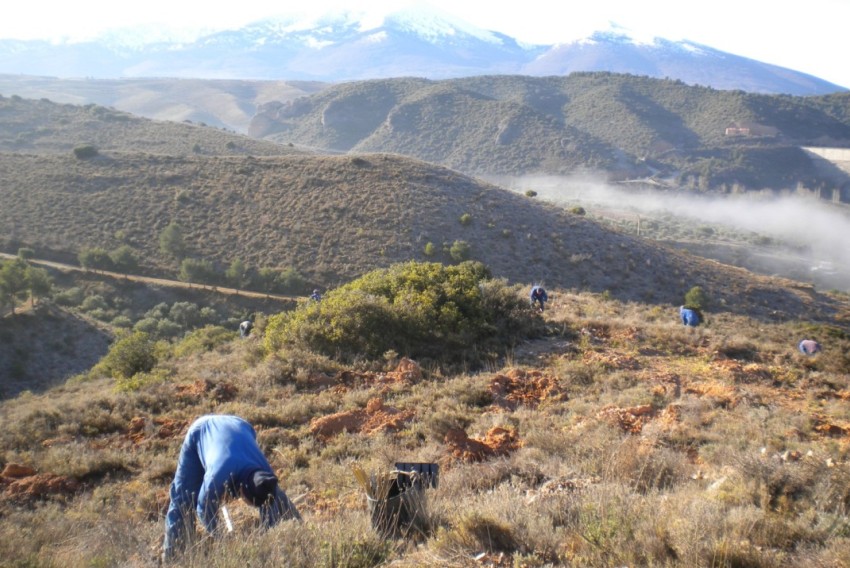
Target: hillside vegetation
pixel 45 127
pixel 598 433
pixel 221 103
pixel 618 438
pixel 624 125
pixel 335 218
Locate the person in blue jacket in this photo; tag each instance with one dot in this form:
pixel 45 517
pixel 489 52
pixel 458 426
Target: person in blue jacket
pixel 538 296
pixel 220 458
pixel 690 316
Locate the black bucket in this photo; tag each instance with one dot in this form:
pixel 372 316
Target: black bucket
pixel 401 513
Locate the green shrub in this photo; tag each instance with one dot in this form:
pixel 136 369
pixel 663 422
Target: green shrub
pixel 460 250
pixel 430 249
pixel 578 211
pixel 171 241
pixel 465 219
pixel 70 297
pixel 429 310
pixel 25 253
pixel 696 298
pixel 530 193
pixel 94 302
pixel 122 321
pixel 85 152
pixel 203 339
pixel 139 380
pixel 95 258
pixel 132 353
pixel 197 270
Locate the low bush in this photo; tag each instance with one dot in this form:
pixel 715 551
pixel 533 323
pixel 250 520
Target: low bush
pixel 423 310
pixel 132 353
pixel 203 339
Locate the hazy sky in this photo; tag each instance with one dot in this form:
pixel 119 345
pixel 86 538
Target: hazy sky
pixel 803 36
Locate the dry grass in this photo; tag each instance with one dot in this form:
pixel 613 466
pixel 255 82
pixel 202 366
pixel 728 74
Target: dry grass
pixel 664 447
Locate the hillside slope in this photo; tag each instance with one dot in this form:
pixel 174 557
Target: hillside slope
pixel 335 218
pixel 44 126
pixel 612 442
pixel 221 103
pixel 623 125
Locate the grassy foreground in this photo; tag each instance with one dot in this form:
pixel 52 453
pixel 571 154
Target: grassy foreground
pixel 620 439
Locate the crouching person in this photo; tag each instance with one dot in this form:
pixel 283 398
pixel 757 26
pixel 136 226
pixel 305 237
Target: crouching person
pixel 691 317
pixel 219 458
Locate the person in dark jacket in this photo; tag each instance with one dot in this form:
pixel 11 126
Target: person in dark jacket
pixel 809 347
pixel 538 296
pixel 220 458
pixel 690 316
pixel 245 328
pixel 316 295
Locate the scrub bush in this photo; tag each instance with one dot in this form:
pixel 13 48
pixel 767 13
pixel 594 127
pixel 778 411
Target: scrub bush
pixel 134 353
pixel 424 310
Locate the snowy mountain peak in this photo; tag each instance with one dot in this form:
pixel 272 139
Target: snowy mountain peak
pixel 434 25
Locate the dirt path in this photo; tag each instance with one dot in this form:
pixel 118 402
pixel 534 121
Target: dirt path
pixel 160 281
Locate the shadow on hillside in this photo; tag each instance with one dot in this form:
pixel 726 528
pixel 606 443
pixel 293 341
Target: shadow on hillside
pixel 43 348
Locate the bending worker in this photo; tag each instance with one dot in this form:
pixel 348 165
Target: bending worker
pixel 538 296
pixel 220 457
pixel 809 347
pixel 690 316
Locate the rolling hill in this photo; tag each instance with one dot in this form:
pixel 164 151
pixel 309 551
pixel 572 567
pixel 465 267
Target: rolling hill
pixel 624 125
pixel 334 217
pixel 228 104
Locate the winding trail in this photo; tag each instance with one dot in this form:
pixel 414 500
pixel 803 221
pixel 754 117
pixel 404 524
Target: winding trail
pixel 160 281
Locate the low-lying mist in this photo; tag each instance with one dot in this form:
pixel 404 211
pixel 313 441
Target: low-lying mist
pixel 806 238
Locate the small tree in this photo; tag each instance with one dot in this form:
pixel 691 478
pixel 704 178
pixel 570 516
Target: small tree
pixel 131 354
pixel 26 253
pixel 95 259
pixel 236 274
pixel 197 270
pixel 39 283
pixel 465 219
pixel 124 259
pixel 265 279
pixel 430 249
pixel 13 281
pixel 290 281
pixel 696 298
pixel 171 241
pixel 85 152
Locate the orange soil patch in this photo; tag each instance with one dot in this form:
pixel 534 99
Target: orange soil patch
pixel 631 420
pixel 497 442
pixel 204 388
pixel 331 507
pixel 23 484
pixel 162 428
pixel 407 372
pixel 827 428
pixel 522 387
pixel 375 418
pixel 560 485
pixel 610 360
pixel 667 383
pixel 751 372
pixel 722 395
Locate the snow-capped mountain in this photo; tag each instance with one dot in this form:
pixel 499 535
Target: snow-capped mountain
pixel 407 43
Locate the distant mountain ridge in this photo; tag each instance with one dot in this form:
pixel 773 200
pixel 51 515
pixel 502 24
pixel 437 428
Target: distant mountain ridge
pixel 407 44
pixel 627 126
